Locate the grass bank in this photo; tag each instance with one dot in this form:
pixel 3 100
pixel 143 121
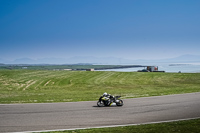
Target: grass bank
pixel 189 126
pixel 40 86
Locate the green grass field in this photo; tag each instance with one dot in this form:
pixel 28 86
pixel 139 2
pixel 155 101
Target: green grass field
pixel 38 86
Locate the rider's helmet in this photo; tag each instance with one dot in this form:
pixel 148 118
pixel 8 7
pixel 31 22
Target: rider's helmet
pixel 104 94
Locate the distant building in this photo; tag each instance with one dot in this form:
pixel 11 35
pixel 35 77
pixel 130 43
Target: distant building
pixel 150 69
pixel 91 69
pixel 67 69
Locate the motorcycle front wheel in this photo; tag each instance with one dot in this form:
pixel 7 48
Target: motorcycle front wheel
pixel 120 103
pixel 100 104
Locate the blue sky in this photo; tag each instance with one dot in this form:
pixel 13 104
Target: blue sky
pixel 130 29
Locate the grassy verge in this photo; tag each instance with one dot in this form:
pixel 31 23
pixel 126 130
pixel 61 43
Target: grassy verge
pixel 188 126
pixel 39 86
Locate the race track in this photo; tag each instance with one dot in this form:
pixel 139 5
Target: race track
pixel 53 116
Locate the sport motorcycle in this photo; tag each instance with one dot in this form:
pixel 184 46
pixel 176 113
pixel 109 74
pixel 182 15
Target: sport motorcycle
pixel 109 101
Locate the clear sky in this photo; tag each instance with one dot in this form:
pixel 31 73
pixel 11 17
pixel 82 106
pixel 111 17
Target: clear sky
pixel 130 29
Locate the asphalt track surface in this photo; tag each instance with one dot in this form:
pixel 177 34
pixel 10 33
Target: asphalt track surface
pixel 71 115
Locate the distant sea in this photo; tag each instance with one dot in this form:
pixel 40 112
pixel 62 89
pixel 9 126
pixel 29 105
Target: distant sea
pixel 167 67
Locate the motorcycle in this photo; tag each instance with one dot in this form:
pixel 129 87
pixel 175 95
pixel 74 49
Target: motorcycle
pixel 112 101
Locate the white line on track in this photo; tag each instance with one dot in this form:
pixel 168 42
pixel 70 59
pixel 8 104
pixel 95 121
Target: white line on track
pixel 109 126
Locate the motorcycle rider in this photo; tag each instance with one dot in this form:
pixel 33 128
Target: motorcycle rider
pixel 111 98
pixel 105 94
